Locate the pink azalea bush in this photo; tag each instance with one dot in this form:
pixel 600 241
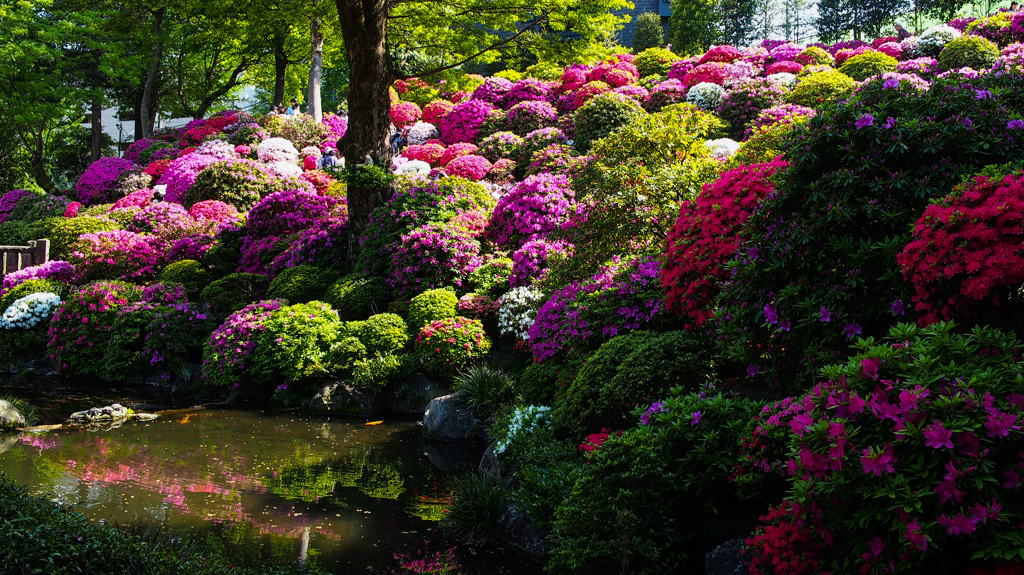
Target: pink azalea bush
pixel 56 270
pixel 181 174
pixel 530 210
pixel 436 110
pixel 136 199
pixel 433 256
pixel 405 113
pixel 118 254
pixel 463 122
pixel 531 260
pixel 470 167
pixel 213 210
pixel 454 151
pixel 99 179
pixel 227 355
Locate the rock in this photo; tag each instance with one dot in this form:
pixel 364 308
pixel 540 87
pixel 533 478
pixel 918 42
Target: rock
pixel 518 531
pixel 452 457
pixel 492 466
pixel 412 396
pixel 8 443
pixel 343 399
pixel 446 420
pixel 108 414
pixel 10 417
pixel 726 559
pixel 145 416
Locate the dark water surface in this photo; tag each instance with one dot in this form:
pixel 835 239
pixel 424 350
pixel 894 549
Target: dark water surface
pixel 357 498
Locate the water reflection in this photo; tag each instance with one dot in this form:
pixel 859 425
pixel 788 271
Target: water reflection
pixel 348 495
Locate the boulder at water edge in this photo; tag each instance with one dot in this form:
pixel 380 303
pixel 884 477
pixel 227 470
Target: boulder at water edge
pixel 109 414
pixel 10 417
pixel 343 399
pixel 412 396
pixel 518 531
pixel 726 559
pixel 447 420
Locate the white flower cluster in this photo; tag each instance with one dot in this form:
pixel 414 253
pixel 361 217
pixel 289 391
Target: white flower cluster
pixel 415 167
pixel 517 309
pixel 420 132
pixel 285 169
pixel 785 79
pixel 217 149
pixel 30 311
pixel 934 39
pixel 722 148
pixel 277 150
pixel 311 151
pixel 524 419
pixel 706 96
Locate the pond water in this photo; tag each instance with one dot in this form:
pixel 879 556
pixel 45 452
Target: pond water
pixel 352 496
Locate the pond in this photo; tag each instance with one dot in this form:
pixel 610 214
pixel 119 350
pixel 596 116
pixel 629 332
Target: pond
pixel 351 496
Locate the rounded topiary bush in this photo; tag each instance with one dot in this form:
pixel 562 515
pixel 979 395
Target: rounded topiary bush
pixel 99 180
pixel 295 343
pixel 654 61
pixel 814 56
pixel 820 88
pixel 358 296
pixel 235 291
pixel 864 66
pixel 500 145
pixel 969 52
pixel 431 305
pixel 447 346
pixel 432 256
pixel 189 273
pixel 300 284
pixel 238 183
pixel 601 115
pixel 64 232
pixel 383 334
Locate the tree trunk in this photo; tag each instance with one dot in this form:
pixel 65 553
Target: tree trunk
pixel 96 139
pixel 38 165
pixel 363 25
pixel 151 76
pixel 316 69
pixel 280 67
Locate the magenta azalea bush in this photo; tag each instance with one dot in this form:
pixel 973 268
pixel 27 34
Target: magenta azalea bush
pixel 226 355
pixel 56 270
pixel 433 256
pixel 463 122
pixel 530 210
pixel 80 329
pixel 531 260
pixel 117 254
pixel 471 167
pixel 99 179
pixel 181 174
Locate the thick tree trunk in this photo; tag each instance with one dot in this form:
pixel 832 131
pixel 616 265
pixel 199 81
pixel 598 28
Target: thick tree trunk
pixel 96 139
pixel 38 165
pixel 316 70
pixel 144 112
pixel 280 67
pixel 363 25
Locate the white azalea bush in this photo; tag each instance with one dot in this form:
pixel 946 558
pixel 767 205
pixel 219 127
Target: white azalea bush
pixel 523 421
pixel 30 311
pixel 934 39
pixel 517 310
pixel 277 150
pixel 706 96
pixel 722 148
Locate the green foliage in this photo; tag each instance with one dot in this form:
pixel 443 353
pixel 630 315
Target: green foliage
pixel 383 334
pixel 694 25
pixel 63 232
pixel 646 35
pixel 357 296
pixel 222 258
pixel 295 343
pixel 431 305
pixel 863 66
pixel 765 143
pixel 38 535
pixel 302 130
pixel 188 273
pixel 123 353
pixel 477 503
pixel 819 89
pixel 240 184
pixel 364 177
pixel 652 487
pixel 14 233
pixel 30 287
pixel 601 115
pixel 815 56
pixel 540 383
pixel 650 165
pixel 235 291
pixel 484 390
pixel 492 277
pixel 968 52
pixel 544 71
pixel 20 345
pixel 654 60
pixel 26 409
pixel 300 284
pixel 373 374
pixel 447 346
pixel 628 371
pixel 38 207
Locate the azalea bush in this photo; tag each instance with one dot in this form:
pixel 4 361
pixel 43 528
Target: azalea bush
pixel 80 329
pixel 430 306
pixel 99 180
pixel 447 346
pixel 116 254
pixel 531 210
pixel 295 343
pixel 432 256
pixel 227 356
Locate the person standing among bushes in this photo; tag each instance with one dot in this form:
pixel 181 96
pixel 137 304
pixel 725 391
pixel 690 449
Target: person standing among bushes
pixel 901 32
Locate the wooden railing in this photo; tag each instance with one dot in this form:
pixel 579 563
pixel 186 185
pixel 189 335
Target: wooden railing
pixel 20 257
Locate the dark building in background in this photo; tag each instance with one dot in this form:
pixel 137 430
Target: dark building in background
pixel 661 7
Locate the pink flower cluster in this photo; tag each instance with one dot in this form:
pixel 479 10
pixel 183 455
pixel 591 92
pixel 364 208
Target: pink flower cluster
pixel 213 210
pixel 136 199
pixel 117 254
pixel 469 166
pixel 463 122
pixel 433 256
pixel 434 111
pixel 224 364
pixel 531 261
pixel 181 174
pixel 9 200
pixel 531 210
pixel 56 270
pixel 98 181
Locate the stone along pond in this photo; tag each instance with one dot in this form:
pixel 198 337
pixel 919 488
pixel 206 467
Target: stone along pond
pixel 354 497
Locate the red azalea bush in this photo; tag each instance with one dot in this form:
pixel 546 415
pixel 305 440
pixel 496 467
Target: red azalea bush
pixel 724 53
pixel 968 248
pixel 456 150
pixel 213 210
pixel 706 236
pixel 906 455
pixel 446 346
pixel 434 111
pixel 713 72
pixel 405 113
pixel 157 168
pixel 195 136
pixel 786 66
pixel 588 91
pixel 319 179
pixel 429 153
pixel 785 543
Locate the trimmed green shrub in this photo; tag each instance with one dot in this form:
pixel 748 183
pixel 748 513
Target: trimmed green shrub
pixel 431 305
pixel 654 61
pixel 19 345
pixel 628 371
pixel 300 284
pixel 966 52
pixel 540 383
pixel 447 346
pixel 492 277
pixel 295 343
pixel 373 374
pixel 188 273
pixel 814 56
pixel 223 256
pixel 602 115
pixel 383 334
pixel 863 66
pixel 235 291
pixel 14 233
pixel 649 489
pixel 238 183
pixel 821 88
pixel 30 287
pixel 648 35
pixel 123 352
pixel 63 232
pixel 358 296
